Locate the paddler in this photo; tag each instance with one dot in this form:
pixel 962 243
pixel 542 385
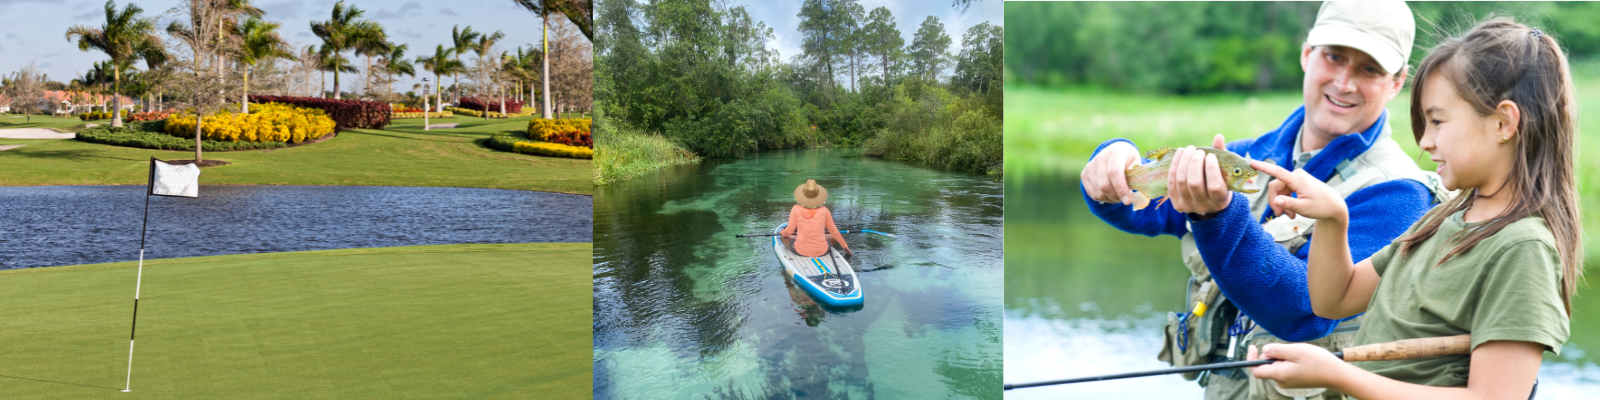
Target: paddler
pixel 811 224
pixel 1249 270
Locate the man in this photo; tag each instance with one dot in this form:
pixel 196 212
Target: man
pixel 1249 284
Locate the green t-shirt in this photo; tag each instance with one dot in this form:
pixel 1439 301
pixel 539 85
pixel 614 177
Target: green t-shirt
pixel 1507 287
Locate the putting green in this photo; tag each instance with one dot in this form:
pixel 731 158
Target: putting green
pixel 450 321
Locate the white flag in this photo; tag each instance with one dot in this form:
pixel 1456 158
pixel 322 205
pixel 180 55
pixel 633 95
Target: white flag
pixel 174 180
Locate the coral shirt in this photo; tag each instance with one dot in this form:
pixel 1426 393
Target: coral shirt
pixel 810 224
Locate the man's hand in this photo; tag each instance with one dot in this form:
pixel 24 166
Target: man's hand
pixel 1105 178
pixel 1194 184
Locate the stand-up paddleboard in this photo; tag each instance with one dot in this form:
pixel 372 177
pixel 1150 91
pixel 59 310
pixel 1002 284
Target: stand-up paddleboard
pixel 828 279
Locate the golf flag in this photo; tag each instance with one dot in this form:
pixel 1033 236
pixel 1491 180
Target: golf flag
pixel 174 180
pixel 165 180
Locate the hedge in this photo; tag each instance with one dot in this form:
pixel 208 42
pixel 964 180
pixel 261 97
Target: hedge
pixel 491 104
pixel 418 115
pixel 507 142
pixel 492 114
pixel 149 135
pixel 271 122
pixel 150 116
pixel 571 131
pixel 94 115
pixel 348 114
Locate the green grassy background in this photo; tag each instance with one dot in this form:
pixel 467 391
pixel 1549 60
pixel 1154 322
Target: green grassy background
pixel 400 155
pixel 451 321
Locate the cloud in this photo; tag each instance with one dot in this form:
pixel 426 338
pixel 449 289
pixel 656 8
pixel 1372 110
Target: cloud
pixel 411 34
pixel 408 9
pixel 448 13
pixel 284 10
pixel 303 34
pixel 44 65
pixel 11 35
pixel 89 15
pixel 2 48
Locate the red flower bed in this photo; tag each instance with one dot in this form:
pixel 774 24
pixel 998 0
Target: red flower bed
pixel 408 110
pixel 346 114
pixel 490 104
pixel 149 115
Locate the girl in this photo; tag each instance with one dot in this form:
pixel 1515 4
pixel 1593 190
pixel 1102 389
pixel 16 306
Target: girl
pixel 811 224
pixel 1494 108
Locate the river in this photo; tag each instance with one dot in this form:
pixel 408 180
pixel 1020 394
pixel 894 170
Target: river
pixel 683 309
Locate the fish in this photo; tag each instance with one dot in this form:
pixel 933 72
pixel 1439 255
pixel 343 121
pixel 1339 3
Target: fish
pixel 1149 181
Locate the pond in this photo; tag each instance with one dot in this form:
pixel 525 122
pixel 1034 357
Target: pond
pixel 1084 299
pixel 43 226
pixel 683 309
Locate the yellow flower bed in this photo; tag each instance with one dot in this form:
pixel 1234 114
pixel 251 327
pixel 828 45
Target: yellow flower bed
pixel 553 149
pixel 271 122
pixel 543 128
pixel 410 115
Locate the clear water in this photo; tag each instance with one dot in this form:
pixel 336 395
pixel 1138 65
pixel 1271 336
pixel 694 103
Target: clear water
pixel 44 226
pixel 1084 299
pixel 683 309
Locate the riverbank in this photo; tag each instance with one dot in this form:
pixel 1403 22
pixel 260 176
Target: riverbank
pixel 622 154
pixel 451 321
pixel 400 155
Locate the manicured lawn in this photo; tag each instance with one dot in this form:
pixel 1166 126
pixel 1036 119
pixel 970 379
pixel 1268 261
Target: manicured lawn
pixel 507 321
pixel 9 121
pixel 400 155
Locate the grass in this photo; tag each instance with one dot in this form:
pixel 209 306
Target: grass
pixel 400 155
pixel 451 321
pixel 622 154
pixel 68 124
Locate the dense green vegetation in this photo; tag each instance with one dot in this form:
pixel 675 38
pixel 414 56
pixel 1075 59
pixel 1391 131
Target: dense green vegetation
pixel 623 154
pixel 1200 47
pixel 478 321
pixel 703 77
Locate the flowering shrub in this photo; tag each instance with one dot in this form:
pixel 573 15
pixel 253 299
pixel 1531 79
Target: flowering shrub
pixel 571 132
pixel 418 114
pixel 348 114
pixel 94 115
pixel 404 109
pixel 507 142
pixel 491 104
pixel 492 114
pixel 269 122
pixel 150 115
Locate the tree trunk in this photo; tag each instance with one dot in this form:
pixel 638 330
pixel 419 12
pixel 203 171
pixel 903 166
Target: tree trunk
pixel 546 58
pixel 116 115
pixel 246 102
pixel 197 145
pixel 335 83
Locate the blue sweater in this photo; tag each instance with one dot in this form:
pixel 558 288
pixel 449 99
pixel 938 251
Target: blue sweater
pixel 1258 275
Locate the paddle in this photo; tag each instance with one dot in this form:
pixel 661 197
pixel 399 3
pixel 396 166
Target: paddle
pixel 840 231
pixel 1409 349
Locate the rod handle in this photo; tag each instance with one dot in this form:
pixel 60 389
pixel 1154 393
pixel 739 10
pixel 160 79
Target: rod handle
pixel 1411 349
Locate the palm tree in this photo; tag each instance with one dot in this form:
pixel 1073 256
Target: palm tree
pixel 395 63
pixel 335 62
pixel 463 40
pixel 440 64
pixel 125 37
pixel 521 68
pixel 370 40
pixel 260 42
pixel 337 34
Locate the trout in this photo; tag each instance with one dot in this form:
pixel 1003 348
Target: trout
pixel 1149 181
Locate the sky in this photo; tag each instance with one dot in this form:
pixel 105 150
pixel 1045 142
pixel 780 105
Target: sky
pixel 783 17
pixel 35 30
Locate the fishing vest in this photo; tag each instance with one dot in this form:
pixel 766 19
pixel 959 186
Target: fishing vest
pixel 1213 330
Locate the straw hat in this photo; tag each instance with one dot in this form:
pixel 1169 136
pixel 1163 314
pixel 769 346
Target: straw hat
pixel 810 194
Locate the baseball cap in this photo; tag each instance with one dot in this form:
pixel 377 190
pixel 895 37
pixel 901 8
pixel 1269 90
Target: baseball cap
pixel 1382 29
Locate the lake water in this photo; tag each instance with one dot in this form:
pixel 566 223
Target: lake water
pixel 44 226
pixel 683 309
pixel 1083 299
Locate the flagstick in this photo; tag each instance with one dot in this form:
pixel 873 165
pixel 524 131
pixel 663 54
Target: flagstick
pixel 137 283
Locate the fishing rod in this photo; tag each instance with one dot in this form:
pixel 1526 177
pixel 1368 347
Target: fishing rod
pixel 840 231
pixel 1409 349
